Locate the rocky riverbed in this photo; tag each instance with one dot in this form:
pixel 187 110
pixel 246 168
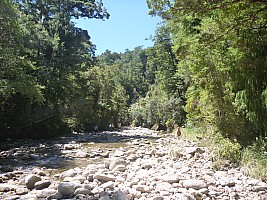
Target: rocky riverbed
pixel 131 164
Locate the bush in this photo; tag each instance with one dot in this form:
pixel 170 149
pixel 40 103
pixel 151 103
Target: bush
pixel 254 159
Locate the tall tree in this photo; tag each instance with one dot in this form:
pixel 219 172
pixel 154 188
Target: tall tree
pixel 19 87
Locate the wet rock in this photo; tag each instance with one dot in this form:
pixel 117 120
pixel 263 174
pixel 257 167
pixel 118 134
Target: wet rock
pixel 66 188
pixel 7 169
pixel 71 146
pixel 30 180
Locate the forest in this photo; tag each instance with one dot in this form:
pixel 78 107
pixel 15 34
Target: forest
pixel 207 68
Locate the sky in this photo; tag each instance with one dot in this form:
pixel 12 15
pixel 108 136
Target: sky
pixel 129 26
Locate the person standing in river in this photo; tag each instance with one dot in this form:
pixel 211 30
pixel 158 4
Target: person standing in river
pixel 178 133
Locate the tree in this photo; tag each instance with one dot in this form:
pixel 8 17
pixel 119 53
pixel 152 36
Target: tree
pixel 49 56
pixel 222 43
pixel 19 88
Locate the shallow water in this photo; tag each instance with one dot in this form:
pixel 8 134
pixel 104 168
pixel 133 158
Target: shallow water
pixel 50 153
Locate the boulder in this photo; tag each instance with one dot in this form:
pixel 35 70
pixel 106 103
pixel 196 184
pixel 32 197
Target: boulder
pixel 30 180
pixel 105 198
pixel 39 185
pixel 119 195
pixel 66 188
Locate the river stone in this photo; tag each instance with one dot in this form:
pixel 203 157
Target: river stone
pixel 119 195
pixel 158 197
pixel 66 188
pixel 56 195
pixel 30 180
pixel 118 153
pixel 116 161
pixel 120 168
pixel 209 179
pixel 6 187
pixel 164 186
pixel 16 197
pixel 142 188
pixel 21 190
pixel 259 188
pixel 170 179
pixel 104 178
pixel 68 173
pixel 105 198
pixel 45 193
pixel 109 184
pixel 71 146
pixel 82 191
pixel 81 154
pixel 7 169
pixel 193 150
pixel 38 172
pixel 195 184
pixel 39 185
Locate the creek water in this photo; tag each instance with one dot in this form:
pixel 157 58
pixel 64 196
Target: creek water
pixel 65 152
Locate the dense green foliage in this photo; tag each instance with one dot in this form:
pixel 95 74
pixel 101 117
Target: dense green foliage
pixel 44 64
pixel 221 48
pixel 221 45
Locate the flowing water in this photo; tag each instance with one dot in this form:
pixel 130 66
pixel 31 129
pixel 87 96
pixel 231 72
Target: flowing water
pixel 70 151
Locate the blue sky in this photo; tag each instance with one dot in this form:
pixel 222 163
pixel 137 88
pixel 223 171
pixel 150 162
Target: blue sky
pixel 128 26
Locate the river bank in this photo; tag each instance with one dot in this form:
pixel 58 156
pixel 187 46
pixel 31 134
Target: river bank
pixel 134 163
